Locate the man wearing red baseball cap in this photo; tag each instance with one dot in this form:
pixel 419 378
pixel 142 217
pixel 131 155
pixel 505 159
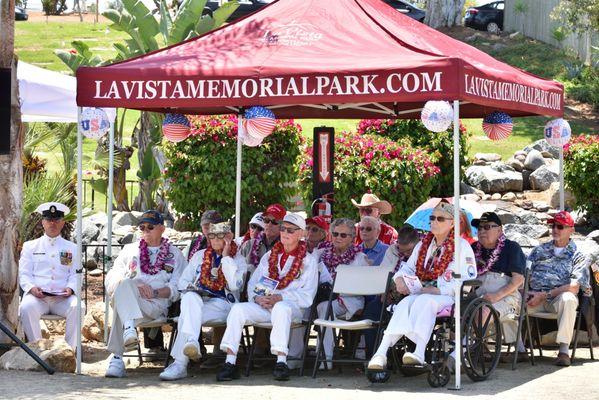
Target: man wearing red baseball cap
pixel 558 272
pixel 272 216
pixel 317 229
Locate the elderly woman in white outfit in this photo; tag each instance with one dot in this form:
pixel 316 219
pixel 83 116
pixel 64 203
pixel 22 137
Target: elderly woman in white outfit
pixel 211 284
pixel 433 263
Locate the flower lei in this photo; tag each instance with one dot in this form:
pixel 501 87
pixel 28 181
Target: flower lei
pixel 332 260
pixel 195 246
pixel 448 248
pixel 208 281
pixel 254 257
pixel 481 266
pixel 401 258
pixel 295 270
pixel 144 257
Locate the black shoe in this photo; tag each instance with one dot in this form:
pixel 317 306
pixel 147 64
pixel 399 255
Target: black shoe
pixel 228 373
pixel 281 372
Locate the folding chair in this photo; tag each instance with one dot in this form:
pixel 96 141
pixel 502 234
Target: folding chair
pixel 524 317
pixel 351 281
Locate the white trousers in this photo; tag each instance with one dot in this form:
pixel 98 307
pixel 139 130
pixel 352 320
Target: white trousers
pixel 196 312
pixel 127 304
pixel 414 317
pixel 564 306
pixel 32 308
pixel 280 316
pixel 338 311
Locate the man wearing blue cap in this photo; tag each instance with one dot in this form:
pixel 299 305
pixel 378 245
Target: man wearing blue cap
pixel 48 277
pixel 142 284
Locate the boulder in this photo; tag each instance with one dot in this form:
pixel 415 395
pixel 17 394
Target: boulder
pixel 93 323
pixel 525 204
pixel 547 154
pixel 495 178
pixel 124 218
pixel 486 197
pixel 57 353
pixel 515 164
pixel 128 238
pixel 553 196
pixel 470 197
pixel 89 231
pixel 521 239
pixel 506 217
pixel 590 248
pixel 534 160
pixel 519 196
pixel 527 218
pixel 90 264
pixel 467 189
pixel 496 196
pixel 594 236
pixel 520 153
pixel 543 177
pixel 99 219
pixel 526 179
pixel 479 162
pixel 520 158
pixel 490 157
pixel 540 206
pixel 509 196
pixel 542 145
pixel 531 231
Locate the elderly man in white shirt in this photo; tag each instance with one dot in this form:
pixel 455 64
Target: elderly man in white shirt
pixel 48 276
pixel 142 284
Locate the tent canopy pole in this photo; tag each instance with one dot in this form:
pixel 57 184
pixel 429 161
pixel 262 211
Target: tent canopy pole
pixel 457 240
pixel 238 177
pixel 108 258
pixel 79 231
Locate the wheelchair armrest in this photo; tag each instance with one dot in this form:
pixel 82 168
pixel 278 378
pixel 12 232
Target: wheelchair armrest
pixel 472 283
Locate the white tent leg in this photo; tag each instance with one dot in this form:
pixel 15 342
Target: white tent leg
pixel 108 258
pixel 562 205
pixel 79 259
pixel 238 178
pixel 456 222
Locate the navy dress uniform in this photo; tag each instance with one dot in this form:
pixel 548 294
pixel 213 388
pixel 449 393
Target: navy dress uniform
pixel 48 263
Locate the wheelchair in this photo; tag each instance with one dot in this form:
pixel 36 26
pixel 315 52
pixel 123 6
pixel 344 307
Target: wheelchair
pixel 481 348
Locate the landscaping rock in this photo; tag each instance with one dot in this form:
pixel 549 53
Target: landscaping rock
pixel 95 272
pixel 99 219
pixel 470 197
pixel 527 218
pixel 594 236
pixel 128 238
pixel 467 189
pixel 521 239
pixel 506 217
pixel 495 178
pixel 57 353
pixel 487 157
pixel 553 196
pixel 496 196
pixel 540 206
pixel 547 154
pixel 531 231
pixel 486 197
pixel 525 204
pixel 526 179
pixel 542 145
pixel 91 264
pixel 93 323
pixel 480 162
pixel 534 160
pixel 543 177
pixel 515 164
pixel 124 218
pixel 509 196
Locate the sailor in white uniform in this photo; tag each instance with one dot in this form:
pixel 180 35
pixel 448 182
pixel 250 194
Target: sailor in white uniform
pixel 48 276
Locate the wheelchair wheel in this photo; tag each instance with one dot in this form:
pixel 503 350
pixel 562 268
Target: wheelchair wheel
pixel 439 376
pixel 482 336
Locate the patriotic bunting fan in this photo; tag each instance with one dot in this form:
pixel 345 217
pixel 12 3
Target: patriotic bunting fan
pixel 437 115
pixel 498 125
pixel 259 122
pixel 176 127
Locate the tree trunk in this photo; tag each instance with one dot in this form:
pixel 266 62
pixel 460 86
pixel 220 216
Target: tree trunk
pixel 11 180
pixel 440 13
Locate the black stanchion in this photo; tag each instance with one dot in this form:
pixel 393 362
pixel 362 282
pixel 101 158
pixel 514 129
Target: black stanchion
pixel 31 353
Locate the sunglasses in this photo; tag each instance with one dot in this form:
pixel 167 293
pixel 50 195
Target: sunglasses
pixel 255 227
pixel 216 235
pixel 438 219
pixel 289 229
pixel 314 229
pixel 146 227
pixel 558 227
pixel 488 227
pixel 365 228
pixel 271 221
pixel 342 234
pixel 366 210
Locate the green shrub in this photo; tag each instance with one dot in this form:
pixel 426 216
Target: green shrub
pixel 54 7
pixel 438 145
pixel 201 169
pixel 581 168
pixel 585 87
pixel 395 172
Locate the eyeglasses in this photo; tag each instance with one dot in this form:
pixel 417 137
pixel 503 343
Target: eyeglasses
pixel 271 221
pixel 559 227
pixel 366 210
pixel 216 235
pixel 314 229
pixel 148 227
pixel 438 219
pixel 365 228
pixel 289 229
pixel 255 227
pixel 488 227
pixel 342 234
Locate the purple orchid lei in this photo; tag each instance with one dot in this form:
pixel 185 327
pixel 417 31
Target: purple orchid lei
pixel 478 252
pixel 195 247
pixel 144 257
pixel 332 260
pixel 254 256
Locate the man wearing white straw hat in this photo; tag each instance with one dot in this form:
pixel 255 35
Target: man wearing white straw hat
pixel 371 206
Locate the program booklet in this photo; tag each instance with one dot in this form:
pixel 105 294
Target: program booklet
pixel 265 286
pixel 413 283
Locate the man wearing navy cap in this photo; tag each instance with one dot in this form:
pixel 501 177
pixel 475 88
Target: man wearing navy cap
pixel 48 277
pixel 142 284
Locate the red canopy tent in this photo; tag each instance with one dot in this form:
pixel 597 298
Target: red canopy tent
pixel 321 59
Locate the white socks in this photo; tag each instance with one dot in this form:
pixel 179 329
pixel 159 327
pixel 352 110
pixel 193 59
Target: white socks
pixel 386 343
pixel 129 324
pixel 564 348
pixel 282 359
pixel 231 358
pixel 520 346
pixel 420 348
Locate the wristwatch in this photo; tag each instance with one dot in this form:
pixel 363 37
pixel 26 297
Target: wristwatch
pixel 155 293
pixel 548 296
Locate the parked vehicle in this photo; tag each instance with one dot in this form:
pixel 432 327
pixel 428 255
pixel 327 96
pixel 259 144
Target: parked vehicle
pixel 21 14
pixel 408 9
pixel 245 7
pixel 488 17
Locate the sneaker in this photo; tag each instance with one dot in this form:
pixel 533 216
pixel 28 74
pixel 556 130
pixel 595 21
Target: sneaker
pixel 228 373
pixel 377 363
pixel 508 358
pixel 562 360
pixel 116 368
pixel 412 359
pixel 130 338
pixel 192 350
pixel 174 372
pixel 281 372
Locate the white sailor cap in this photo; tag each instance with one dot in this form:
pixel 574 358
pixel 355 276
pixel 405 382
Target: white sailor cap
pixel 52 210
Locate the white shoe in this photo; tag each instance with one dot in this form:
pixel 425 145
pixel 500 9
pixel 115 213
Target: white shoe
pixel 116 368
pixel 412 359
pixel 192 350
pixel 174 372
pixel 378 362
pixel 130 338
